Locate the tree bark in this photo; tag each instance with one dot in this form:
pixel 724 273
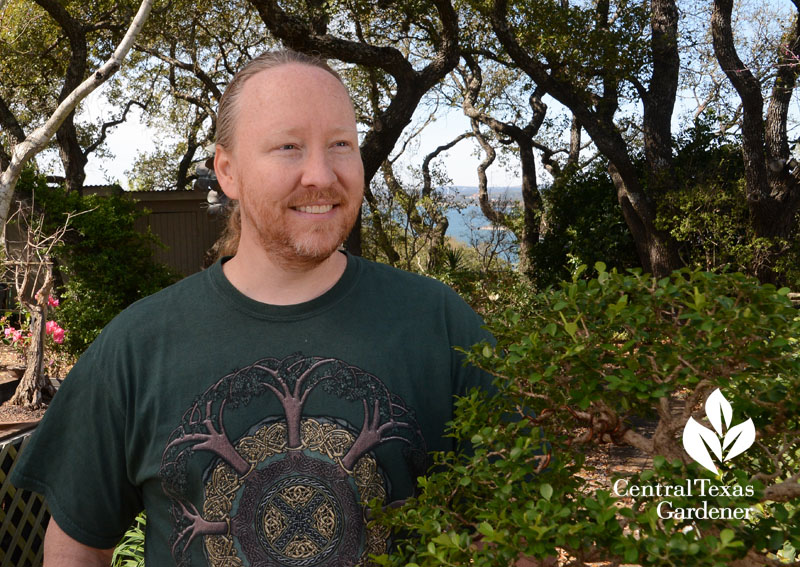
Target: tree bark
pixel 192 144
pixel 12 128
pixel 34 388
pixel 659 101
pixel 72 156
pixel 532 207
pixel 658 251
pixel 773 191
pixel 69 148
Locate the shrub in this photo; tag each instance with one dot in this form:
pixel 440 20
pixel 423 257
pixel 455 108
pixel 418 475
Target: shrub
pixel 106 263
pixel 584 223
pixel 707 210
pixel 578 368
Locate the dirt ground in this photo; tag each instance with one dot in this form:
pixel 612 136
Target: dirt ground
pixel 11 363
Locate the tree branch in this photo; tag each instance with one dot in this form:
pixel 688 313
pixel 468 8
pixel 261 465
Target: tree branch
pixel 39 138
pixel 426 173
pixel 193 68
pixel 108 125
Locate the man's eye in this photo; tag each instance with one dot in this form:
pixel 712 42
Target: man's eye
pixel 342 144
pixel 288 146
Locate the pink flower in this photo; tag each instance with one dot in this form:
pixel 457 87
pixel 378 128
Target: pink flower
pixel 8 331
pixel 53 328
pixel 52 301
pixel 17 335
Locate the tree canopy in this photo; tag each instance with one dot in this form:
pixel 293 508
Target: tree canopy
pixel 552 85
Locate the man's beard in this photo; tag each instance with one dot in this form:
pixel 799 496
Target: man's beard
pixel 301 248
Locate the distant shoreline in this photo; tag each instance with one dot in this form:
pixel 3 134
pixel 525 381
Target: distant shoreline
pixel 469 194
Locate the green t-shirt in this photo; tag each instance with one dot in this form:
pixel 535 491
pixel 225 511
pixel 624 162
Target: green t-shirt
pixel 255 434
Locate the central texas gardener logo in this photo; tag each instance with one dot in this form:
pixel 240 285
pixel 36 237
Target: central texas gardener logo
pixel 698 439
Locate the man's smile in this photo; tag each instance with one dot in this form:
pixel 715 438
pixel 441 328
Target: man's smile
pixel 314 209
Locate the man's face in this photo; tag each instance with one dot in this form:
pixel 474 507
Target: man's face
pixel 295 165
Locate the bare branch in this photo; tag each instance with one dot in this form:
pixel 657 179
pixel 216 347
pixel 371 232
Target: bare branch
pixel 426 173
pixel 108 125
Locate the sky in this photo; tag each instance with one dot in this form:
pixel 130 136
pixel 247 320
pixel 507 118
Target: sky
pixel 131 137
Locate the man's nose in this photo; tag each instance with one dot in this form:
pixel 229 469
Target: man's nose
pixel 318 169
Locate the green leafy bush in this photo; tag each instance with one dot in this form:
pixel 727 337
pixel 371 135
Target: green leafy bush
pixel 105 263
pixel 592 361
pixel 707 210
pixel 584 224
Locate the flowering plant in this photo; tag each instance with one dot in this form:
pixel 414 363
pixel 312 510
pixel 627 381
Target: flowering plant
pixel 20 337
pixel 53 329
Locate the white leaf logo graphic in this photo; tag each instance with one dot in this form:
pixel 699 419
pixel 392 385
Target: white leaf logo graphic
pixel 742 436
pixel 693 436
pixel 716 407
pixel 698 439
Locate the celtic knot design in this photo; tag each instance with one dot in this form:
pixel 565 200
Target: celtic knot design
pixel 291 491
pixel 301 519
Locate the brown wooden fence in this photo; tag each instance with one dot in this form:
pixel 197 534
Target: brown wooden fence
pixel 181 221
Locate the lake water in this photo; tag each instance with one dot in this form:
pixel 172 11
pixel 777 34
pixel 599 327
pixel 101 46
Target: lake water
pixel 465 221
pixel 470 226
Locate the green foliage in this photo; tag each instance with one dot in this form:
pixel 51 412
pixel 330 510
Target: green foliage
pixel 707 208
pixel 35 54
pixel 106 264
pixel 586 359
pixel 130 551
pixel 489 293
pixel 155 170
pixel 584 225
pixel 576 39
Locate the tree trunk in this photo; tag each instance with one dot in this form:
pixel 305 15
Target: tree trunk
pixel 69 149
pixel 437 244
pixel 773 191
pixel 658 251
pixel 72 156
pixel 532 206
pixel 353 242
pixel 35 388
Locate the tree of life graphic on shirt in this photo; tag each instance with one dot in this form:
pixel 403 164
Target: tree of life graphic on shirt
pixel 293 491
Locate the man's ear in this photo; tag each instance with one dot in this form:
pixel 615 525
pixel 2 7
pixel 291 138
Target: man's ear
pixel 226 172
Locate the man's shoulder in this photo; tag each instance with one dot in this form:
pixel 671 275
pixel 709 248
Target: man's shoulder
pixel 408 288
pixel 188 293
pixel 387 275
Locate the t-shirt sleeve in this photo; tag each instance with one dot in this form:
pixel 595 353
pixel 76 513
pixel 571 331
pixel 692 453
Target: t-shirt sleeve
pixel 77 459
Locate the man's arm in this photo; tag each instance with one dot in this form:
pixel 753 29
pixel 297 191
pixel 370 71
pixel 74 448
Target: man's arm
pixel 60 550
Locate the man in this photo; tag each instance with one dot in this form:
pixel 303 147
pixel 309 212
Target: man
pixel 257 408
